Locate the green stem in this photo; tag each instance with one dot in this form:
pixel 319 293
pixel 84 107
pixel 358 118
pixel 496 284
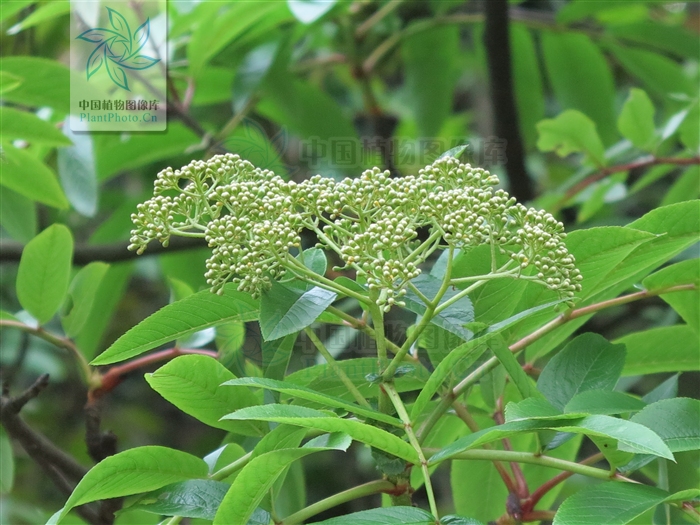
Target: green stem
pixel 406 419
pixel 321 281
pixel 86 372
pixel 360 326
pixel 367 489
pixel 533 459
pixel 430 310
pixel 418 251
pixel 232 468
pixel 386 9
pixel 336 368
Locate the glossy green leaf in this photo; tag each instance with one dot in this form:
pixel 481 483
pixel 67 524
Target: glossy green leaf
pixel 636 120
pixel 677 421
pixel 285 310
pixel 7 463
pixel 197 312
pixel 44 272
pixel 24 125
pixel 571 132
pixel 81 296
pixel 535 408
pixel 589 362
pixel 17 215
pixel 77 171
pixel 588 87
pixel 308 11
pixel 662 349
pixel 527 80
pixel 282 436
pixel 604 402
pixel 631 437
pixel 454 317
pixel 384 516
pixel 307 394
pixel 131 472
pixel 666 390
pixel 24 173
pixel 192 383
pixel 309 418
pixel 194 498
pixel 276 355
pixel 610 503
pixel 431 69
pixel 255 479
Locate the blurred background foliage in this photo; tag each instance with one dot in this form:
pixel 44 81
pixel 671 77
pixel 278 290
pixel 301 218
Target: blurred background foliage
pixel 605 127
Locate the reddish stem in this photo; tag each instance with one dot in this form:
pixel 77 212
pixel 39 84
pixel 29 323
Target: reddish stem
pixel 522 490
pixel 116 374
pixel 604 172
pixel 538 494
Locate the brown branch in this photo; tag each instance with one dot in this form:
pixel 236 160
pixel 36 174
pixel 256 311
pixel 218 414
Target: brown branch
pixel 116 252
pixel 115 375
pixel 522 490
pixel 605 172
pixel 506 125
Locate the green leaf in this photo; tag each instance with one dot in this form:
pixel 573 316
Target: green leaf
pixel 36 74
pixel 81 296
pixel 685 188
pixel 44 272
pixel 663 349
pixel 197 312
pixel 309 418
pixel 192 384
pixel 589 87
pixel 194 498
pixel 527 79
pixel 455 152
pixel 28 176
pixel 610 503
pixel 17 215
pixel 454 317
pixel 285 310
pixel 636 120
pixel 589 362
pixel 322 378
pixel 677 421
pixel 686 303
pixel 535 408
pixel 665 37
pixel 659 74
pixel 431 70
pixel 104 305
pixel 24 125
pixel 592 199
pixel 690 129
pixel 571 132
pixel 229 341
pixel 515 370
pixel 131 472
pixel 308 11
pixel 252 72
pixel 276 355
pixel 255 479
pixel 282 436
pixel 307 394
pixel 631 437
pixel 41 14
pixel 666 390
pixel 384 516
pixel 7 463
pixel 76 168
pixel 604 402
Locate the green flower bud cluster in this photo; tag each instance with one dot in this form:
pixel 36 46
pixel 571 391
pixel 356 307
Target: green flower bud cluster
pixel 252 218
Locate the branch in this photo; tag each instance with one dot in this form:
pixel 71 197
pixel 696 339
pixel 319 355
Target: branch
pixel 605 172
pixel 115 375
pixel 506 125
pixel 85 254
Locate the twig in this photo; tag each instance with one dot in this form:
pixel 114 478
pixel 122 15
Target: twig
pixel 523 490
pixel 115 375
pixel 383 11
pixel 605 172
pixel 85 254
